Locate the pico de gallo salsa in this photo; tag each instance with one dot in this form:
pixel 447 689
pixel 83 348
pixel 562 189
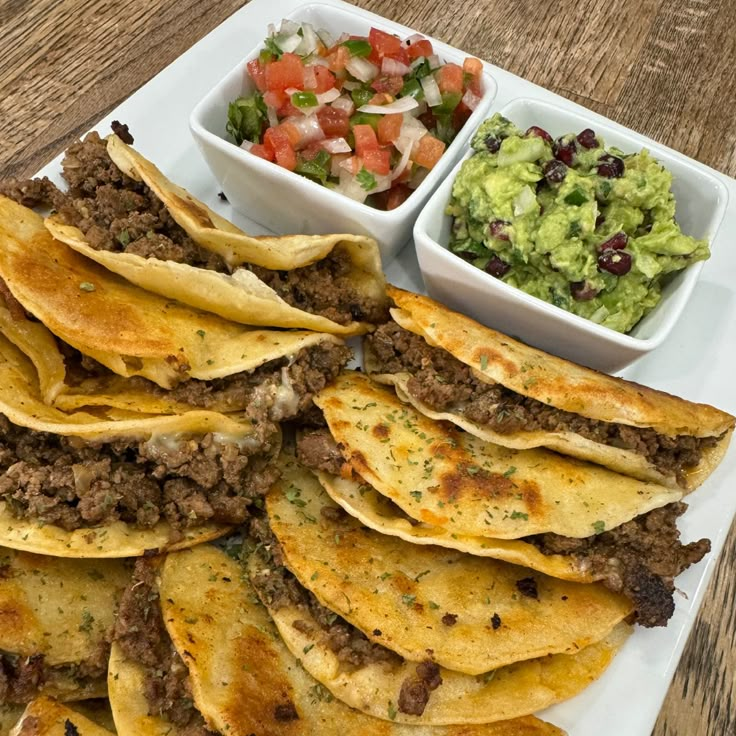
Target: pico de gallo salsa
pixel 368 116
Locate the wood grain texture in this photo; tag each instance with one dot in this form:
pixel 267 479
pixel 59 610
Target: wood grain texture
pixel 661 67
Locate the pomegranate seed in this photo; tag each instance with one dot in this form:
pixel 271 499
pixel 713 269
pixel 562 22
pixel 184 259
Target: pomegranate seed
pixel 539 132
pixel 610 166
pixel 554 171
pixel 492 143
pixel 496 267
pixel 564 150
pixel 615 242
pixel 497 229
pixel 617 262
pixel 582 291
pixel 586 138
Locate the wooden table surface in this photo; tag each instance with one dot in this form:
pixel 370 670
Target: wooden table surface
pixel 662 67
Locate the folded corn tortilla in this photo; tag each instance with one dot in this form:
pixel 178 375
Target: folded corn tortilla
pixel 399 593
pixel 241 295
pixel 131 331
pixel 452 479
pixel 22 405
pixel 571 390
pixel 47 717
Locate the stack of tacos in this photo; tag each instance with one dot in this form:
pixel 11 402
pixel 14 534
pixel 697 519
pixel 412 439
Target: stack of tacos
pixel 441 555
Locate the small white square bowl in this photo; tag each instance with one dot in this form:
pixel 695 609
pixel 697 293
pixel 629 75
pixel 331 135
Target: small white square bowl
pixel 701 203
pixel 286 202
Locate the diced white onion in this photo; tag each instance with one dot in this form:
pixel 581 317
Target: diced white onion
pixel 432 93
pixel 336 161
pixel 319 61
pixel 350 186
pixel 383 182
pixel 402 104
pixel 246 145
pixel 420 110
pixel 326 38
pixel 350 86
pixel 288 27
pixel 310 78
pixel 273 118
pixel 434 61
pixel 394 68
pixel 309 129
pixel 470 99
pixel 413 39
pixel 331 95
pixel 344 103
pixel 288 44
pixel 309 40
pixel 336 145
pixel 524 201
pixel 403 162
pixel 417 62
pixel 362 69
pixel 411 131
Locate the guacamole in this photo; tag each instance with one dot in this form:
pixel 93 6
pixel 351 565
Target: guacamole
pixel 585 227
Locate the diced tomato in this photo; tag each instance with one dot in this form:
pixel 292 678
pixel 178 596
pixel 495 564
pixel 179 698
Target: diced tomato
pixel 398 194
pixel 473 68
pixel 427 151
pixel 460 115
pixel 276 98
pixel 292 133
pixel 384 44
pixel 377 160
pixel 325 79
pixel 390 84
pixel 334 122
pixel 311 150
pixel 258 149
pixel 389 127
pixel 258 74
pixel 365 139
pixel 338 57
pixel 419 48
pixel 288 110
pixel 450 78
pixel 381 98
pixel 428 120
pixel 283 151
pixel 287 72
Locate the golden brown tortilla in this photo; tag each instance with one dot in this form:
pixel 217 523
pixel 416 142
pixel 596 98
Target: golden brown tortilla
pixel 131 331
pixel 240 296
pixel 403 591
pixel 497 358
pixel 442 476
pixel 381 514
pixel 239 687
pixel 46 717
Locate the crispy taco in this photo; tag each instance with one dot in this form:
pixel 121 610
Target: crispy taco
pixel 47 717
pixel 171 674
pixel 56 619
pixel 429 603
pixel 450 367
pixel 122 212
pixel 133 332
pixel 623 529
pixel 115 483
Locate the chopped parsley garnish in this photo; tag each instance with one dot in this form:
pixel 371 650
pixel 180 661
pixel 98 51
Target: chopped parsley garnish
pixel 599 527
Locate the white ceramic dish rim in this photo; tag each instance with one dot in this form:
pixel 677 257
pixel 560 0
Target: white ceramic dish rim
pixel 338 200
pixel 545 310
pixel 628 698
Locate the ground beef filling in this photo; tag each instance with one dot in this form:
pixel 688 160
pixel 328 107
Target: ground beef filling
pixel 446 384
pixel 277 391
pixel 277 588
pixel 317 449
pixel 22 678
pixel 118 214
pixel 74 484
pixel 142 637
pixel 639 559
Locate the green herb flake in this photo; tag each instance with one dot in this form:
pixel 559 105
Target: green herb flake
pixel 201 333
pixel 599 527
pixel 434 606
pixel 519 515
pixel 86 286
pixel 509 472
pixel 366 180
pixel 416 495
pixel 483 362
pixel 87 620
pixel 408 600
pixel 392 712
pixel 308 648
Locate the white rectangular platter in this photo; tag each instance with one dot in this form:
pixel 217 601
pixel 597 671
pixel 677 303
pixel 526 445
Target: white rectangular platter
pixel 695 362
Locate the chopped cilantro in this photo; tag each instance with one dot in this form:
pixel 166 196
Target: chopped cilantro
pixel 519 515
pixel 599 527
pixel 366 180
